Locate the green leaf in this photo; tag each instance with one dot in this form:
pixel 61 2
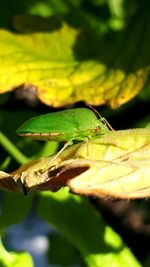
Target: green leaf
pixel 15 207
pixel 15 259
pixel 64 70
pixel 83 226
pixel 68 255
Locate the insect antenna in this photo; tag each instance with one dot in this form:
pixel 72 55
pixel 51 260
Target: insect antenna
pixel 102 118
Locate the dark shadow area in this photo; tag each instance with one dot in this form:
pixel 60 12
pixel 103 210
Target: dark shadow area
pixel 127 50
pixel 127 219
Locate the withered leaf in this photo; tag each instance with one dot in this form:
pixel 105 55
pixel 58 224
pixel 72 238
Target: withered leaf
pixel 115 165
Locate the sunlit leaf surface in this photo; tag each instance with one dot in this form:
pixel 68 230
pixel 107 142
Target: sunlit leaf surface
pixel 115 165
pixel 15 259
pixel 63 69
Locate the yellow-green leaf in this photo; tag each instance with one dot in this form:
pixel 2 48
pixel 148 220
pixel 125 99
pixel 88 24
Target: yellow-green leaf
pixel 115 165
pixel 65 67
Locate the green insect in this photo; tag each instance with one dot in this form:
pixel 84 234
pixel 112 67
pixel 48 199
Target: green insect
pixel 79 124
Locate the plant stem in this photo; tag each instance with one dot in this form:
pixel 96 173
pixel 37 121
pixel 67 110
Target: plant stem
pixel 12 150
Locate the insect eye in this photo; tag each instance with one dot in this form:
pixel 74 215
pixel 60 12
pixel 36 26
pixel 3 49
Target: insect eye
pixel 97 129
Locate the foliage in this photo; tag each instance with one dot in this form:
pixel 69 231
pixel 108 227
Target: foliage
pixel 57 53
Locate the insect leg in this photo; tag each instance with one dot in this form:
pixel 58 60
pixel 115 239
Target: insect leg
pixel 60 151
pixel 87 143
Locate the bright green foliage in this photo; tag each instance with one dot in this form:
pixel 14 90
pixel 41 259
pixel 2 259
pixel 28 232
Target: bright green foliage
pixel 75 217
pixel 62 52
pixel 15 259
